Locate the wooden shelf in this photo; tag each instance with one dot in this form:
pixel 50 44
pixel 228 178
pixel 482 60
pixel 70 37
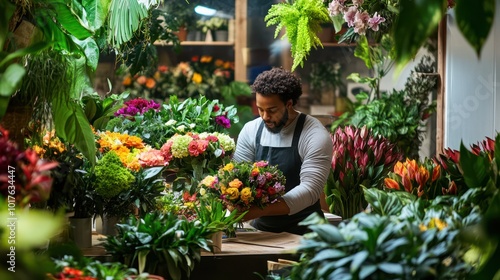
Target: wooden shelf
pixel 197 43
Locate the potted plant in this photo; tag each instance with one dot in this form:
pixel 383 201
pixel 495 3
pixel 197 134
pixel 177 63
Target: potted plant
pixel 157 243
pixel 183 12
pixel 219 26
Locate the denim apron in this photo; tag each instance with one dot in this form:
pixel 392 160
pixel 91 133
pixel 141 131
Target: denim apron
pixel 289 162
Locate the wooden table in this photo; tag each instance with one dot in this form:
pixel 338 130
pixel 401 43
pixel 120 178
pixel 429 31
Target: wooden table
pixel 240 257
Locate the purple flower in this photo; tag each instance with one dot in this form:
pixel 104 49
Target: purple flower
pixel 137 106
pixel 223 121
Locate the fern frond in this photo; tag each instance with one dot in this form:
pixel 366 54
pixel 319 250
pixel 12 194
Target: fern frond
pixel 302 20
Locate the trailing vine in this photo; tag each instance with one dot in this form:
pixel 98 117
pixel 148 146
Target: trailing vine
pixel 302 20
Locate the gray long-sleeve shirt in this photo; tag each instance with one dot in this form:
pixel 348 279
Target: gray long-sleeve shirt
pixel 315 150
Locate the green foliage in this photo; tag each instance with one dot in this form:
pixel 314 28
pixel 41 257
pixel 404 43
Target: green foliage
pixel 191 114
pixel 404 238
pixel 112 177
pixel 95 268
pixel 213 215
pixel 159 241
pixel 302 20
pixel 399 116
pixel 100 110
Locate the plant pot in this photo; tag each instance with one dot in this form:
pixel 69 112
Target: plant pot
pixel 182 33
pixel 217 242
pixel 109 225
pixel 221 35
pixel 80 231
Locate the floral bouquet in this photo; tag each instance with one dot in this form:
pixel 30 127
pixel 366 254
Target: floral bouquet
pixel 192 155
pixel 241 185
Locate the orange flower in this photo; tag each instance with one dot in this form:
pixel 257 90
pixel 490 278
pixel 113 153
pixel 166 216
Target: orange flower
pixel 150 83
pixel 391 184
pixel 127 81
pixel 236 183
pixel 399 168
pixel 141 80
pixel 219 62
pixel 436 172
pixel 206 59
pixel 255 172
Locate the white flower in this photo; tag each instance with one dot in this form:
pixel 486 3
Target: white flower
pixel 192 125
pixel 181 128
pixel 171 122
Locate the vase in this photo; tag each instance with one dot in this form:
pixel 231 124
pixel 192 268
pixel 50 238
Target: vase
pixel 80 231
pixel 109 225
pixel 209 37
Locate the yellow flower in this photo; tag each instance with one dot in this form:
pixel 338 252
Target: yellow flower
pixel 228 167
pixel 437 223
pixel 208 181
pixel 246 195
pixel 197 78
pixel 233 193
pixel 422 227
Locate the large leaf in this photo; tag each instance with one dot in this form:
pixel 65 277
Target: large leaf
pixel 416 22
pixel 475 168
pixel 97 11
pixel 474 19
pixel 70 20
pixel 124 19
pixel 91 50
pixel 72 125
pixel 24 51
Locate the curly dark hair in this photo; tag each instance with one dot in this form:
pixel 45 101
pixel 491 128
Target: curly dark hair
pixel 278 81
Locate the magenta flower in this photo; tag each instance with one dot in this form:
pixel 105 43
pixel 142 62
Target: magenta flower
pixel 223 121
pixel 137 106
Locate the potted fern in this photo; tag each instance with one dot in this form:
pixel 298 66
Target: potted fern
pixel 302 20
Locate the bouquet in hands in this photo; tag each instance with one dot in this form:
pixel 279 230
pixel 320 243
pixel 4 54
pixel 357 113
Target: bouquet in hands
pixel 241 185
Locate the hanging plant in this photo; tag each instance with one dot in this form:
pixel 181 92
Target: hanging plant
pixel 302 20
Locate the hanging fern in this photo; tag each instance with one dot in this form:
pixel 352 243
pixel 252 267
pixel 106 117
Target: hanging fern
pixel 302 20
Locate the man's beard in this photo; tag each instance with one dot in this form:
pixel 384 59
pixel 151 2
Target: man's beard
pixel 278 126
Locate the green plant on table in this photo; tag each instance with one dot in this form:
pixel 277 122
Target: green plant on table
pixel 302 20
pixel 214 216
pixel 159 241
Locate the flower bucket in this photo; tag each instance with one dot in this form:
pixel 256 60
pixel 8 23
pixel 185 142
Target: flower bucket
pixel 80 231
pixel 109 225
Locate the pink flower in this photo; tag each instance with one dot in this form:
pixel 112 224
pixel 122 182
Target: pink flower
pixel 223 121
pixel 361 22
pixel 374 21
pixel 152 158
pixel 350 15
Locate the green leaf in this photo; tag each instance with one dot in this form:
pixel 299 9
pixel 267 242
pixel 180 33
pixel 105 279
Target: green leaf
pixel 338 21
pixel 70 21
pixel 362 51
pixel 475 168
pixel 72 125
pixel 124 19
pixel 97 11
pixel 11 79
pixel 142 257
pixel 416 22
pixel 91 51
pixel 8 10
pixel 22 52
pixel 474 19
